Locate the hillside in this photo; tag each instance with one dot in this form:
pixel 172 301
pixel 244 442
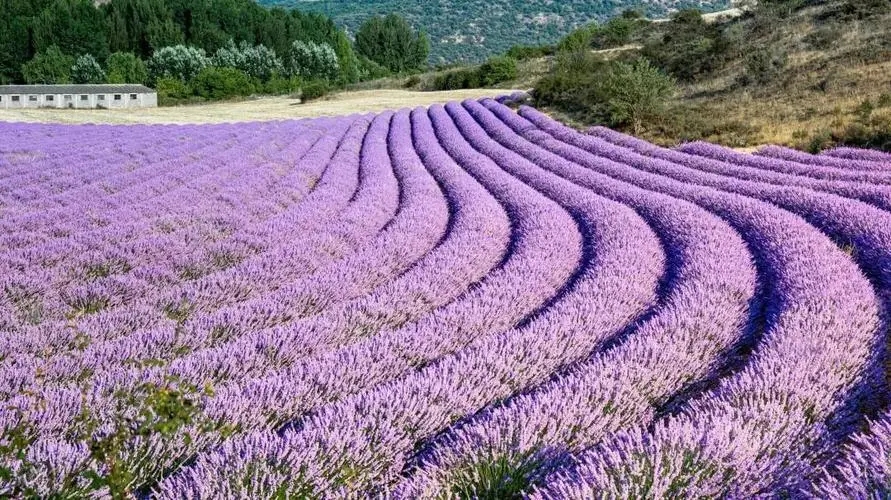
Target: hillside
pixel 471 30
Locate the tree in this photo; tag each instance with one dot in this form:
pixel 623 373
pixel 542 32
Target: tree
pixel 390 42
pixel 314 61
pixel 258 61
pixel 87 70
pixel 75 26
pixel 222 83
pixel 636 92
pixel 179 61
pixel 125 67
pixel 48 67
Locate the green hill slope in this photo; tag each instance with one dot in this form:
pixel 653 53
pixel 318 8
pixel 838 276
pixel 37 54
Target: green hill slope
pixel 471 30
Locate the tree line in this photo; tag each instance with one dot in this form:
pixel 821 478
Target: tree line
pixel 144 41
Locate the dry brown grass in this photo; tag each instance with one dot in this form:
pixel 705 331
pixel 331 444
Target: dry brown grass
pixel 267 108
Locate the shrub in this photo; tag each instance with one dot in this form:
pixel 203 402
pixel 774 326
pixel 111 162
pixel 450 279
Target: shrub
pixel 497 70
pixel 313 90
pixel 370 70
pixel 763 66
pixel 279 85
pixel 465 78
pixel 636 92
pixel 222 83
pixel 51 66
pixel 690 48
pixel 172 91
pixel 125 67
pixel 86 70
pixel 524 52
pixel 822 39
pixel 311 60
pixel 575 85
pixel 412 82
pixel 179 61
pixel 578 40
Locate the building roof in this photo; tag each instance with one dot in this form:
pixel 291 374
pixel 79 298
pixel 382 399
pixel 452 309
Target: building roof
pixel 125 88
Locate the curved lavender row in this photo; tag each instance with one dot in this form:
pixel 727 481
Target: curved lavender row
pixel 859 154
pixel 760 427
pixel 109 352
pixel 698 155
pixel 616 284
pixel 701 318
pixel 319 204
pixel 544 254
pixel 793 155
pixel 768 163
pixel 864 469
pixel 860 229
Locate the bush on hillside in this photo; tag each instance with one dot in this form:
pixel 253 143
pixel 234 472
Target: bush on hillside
pixel 280 85
pixel 497 70
pixel 763 66
pixel 575 85
pixel 222 83
pixel 370 70
pixel 690 48
pixel 637 92
pixel 87 70
pixel 466 78
pixel 526 52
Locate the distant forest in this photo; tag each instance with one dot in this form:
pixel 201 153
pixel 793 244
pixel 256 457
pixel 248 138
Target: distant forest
pixel 77 27
pixel 473 30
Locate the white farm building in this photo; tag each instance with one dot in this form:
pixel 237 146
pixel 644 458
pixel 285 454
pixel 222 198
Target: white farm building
pixel 110 96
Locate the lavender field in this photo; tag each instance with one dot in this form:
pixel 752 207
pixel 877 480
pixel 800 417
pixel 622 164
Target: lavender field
pixel 461 301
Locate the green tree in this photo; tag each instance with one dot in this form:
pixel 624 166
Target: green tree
pixel 257 61
pixel 311 60
pixel 179 61
pixel 390 42
pixel 125 67
pixel 48 67
pixel 86 70
pixel 75 26
pixel 635 92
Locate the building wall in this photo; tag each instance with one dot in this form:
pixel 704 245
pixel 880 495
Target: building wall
pixel 77 101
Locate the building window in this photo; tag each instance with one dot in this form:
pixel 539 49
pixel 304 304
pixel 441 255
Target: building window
pixel 50 97
pixel 84 97
pixel 132 97
pixel 117 97
pixel 32 98
pixel 102 97
pixel 1 98
pixel 16 98
pixel 67 97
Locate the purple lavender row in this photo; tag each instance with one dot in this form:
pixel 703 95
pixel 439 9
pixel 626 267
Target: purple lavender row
pixel 116 346
pixel 545 252
pixel 775 164
pixel 795 156
pixel 759 429
pixel 702 316
pixel 43 258
pixel 337 199
pixel 859 154
pixel 699 152
pixel 864 469
pixel 862 230
pixel 48 329
pixel 493 366
pixel 479 224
